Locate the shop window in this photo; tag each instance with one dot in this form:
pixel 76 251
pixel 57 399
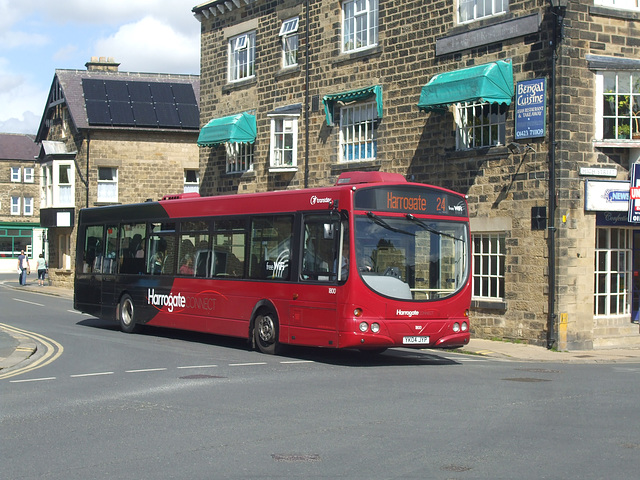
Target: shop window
pixel 613 268
pixel 488 266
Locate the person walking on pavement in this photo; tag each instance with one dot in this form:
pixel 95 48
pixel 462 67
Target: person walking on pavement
pixel 23 265
pixel 42 269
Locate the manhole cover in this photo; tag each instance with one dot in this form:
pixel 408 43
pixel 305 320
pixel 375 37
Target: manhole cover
pixel 296 457
pixel 526 380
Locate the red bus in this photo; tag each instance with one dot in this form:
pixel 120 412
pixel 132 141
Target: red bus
pixel 370 263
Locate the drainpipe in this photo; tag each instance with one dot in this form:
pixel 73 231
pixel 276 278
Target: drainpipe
pixel 558 10
pixel 87 176
pixel 306 95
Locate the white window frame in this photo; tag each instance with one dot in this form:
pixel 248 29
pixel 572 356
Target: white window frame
pixel 63 190
pixel 359 25
pixel 109 191
pixel 614 84
pixel 289 34
pixel 283 128
pixel 28 206
pixel 28 174
pixel 15 205
pixel 472 10
pixel 46 185
pixel 621 4
pixel 613 267
pixel 239 157
pixel 191 186
pixel 480 125
pixel 15 174
pixel 489 266
pixel 358 139
pixel 242 56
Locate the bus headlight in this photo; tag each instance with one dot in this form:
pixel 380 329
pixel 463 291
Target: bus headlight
pixel 456 327
pixel 375 327
pixel 364 326
pixel 465 327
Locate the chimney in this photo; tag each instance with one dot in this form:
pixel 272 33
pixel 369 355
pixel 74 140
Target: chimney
pixel 102 64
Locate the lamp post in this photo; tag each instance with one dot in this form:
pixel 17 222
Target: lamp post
pixel 558 11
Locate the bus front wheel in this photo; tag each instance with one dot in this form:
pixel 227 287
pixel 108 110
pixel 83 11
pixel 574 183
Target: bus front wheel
pixel 265 332
pixel 126 315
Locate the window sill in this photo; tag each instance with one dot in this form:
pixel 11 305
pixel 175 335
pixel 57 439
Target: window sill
pixel 354 165
pixel 614 12
pixel 616 143
pixel 240 84
pixel 285 71
pixel 348 57
pixel 489 305
pixel 283 169
pixel 244 173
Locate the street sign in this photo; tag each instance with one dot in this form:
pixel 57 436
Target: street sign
pixel 634 194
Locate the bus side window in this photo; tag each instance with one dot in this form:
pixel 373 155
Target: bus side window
pixel 111 248
pixel 229 243
pixel 92 256
pixel 319 253
pixel 270 247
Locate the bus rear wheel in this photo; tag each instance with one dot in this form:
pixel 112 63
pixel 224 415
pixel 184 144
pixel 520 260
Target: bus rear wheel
pixel 126 314
pixel 265 332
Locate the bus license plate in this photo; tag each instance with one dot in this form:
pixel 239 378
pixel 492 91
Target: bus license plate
pixel 415 340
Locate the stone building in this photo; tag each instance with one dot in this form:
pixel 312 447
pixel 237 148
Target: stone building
pixel 471 95
pixel 19 201
pixel 110 137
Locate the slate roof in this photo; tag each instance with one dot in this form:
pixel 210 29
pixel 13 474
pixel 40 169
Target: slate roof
pixel 70 84
pixel 15 146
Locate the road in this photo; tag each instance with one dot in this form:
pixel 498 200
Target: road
pixel 165 404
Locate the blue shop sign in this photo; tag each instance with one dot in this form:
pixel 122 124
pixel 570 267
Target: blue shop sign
pixel 531 102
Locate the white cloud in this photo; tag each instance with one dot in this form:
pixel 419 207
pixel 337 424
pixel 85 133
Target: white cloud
pixel 151 45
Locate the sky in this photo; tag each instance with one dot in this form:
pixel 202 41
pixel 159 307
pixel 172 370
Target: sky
pixel 39 36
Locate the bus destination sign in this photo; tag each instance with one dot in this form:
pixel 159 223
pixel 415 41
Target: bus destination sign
pixel 420 200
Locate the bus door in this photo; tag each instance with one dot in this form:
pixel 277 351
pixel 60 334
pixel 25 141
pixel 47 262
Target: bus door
pixel 313 311
pixel 88 278
pixel 109 271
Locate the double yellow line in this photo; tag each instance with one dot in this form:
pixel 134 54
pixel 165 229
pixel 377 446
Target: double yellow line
pixel 52 350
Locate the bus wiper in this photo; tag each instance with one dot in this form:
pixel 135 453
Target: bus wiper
pixel 377 220
pixel 431 229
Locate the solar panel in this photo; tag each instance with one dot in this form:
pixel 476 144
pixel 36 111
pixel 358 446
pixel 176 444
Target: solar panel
pixel 116 90
pixel 141 104
pixel 93 89
pixel 144 114
pixel 183 93
pixel 140 92
pixel 98 112
pixel 121 113
pixel 167 115
pixel 189 115
pixel 161 92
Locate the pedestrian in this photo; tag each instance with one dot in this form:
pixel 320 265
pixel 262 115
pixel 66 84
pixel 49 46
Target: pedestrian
pixel 42 269
pixel 23 265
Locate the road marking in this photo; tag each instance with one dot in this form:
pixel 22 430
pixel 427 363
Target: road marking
pixel 79 313
pixel 146 370
pixel 80 375
pixel 33 380
pixel 30 303
pixel 297 361
pixel 197 366
pixel 52 350
pixel 246 364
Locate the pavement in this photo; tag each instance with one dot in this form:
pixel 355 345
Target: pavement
pixel 16 348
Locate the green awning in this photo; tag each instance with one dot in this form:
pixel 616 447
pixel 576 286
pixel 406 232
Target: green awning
pixel 350 97
pixel 240 128
pixel 491 83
